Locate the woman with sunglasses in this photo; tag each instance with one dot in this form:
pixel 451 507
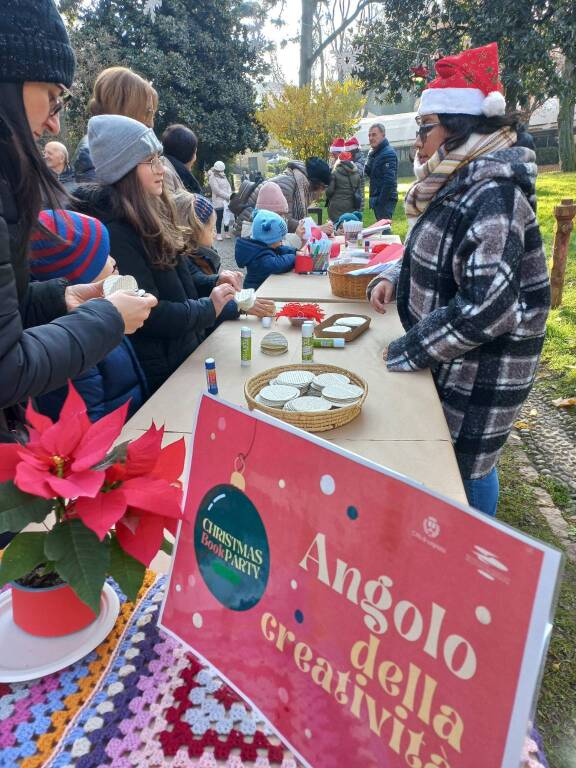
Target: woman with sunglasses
pixel 146 242
pixel 472 290
pixel 51 331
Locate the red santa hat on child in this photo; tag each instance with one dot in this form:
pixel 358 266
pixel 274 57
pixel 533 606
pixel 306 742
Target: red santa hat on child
pixel 466 84
pixel 337 145
pixel 352 144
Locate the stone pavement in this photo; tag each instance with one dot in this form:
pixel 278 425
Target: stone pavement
pixel 226 250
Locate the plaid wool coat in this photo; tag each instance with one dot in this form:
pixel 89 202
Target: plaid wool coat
pixel 473 295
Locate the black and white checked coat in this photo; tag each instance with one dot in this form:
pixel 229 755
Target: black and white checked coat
pixel 473 296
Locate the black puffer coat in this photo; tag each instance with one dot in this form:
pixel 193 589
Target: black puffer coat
pixel 178 323
pixel 41 344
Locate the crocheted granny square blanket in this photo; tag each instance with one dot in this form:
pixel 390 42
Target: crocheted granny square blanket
pixel 140 700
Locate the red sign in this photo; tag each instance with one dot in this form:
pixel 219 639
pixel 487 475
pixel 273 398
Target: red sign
pixel 372 622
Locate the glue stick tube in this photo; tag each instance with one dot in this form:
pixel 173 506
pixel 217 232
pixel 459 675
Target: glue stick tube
pixel 338 343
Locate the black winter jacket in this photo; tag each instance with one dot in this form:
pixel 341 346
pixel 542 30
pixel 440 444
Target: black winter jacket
pixel 178 324
pixel 382 169
pixel 41 344
pixel 190 182
pixel 83 166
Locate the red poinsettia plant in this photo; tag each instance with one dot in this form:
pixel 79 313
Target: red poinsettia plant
pixel 105 508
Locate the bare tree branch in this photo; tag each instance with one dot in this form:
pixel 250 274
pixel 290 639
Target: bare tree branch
pixel 343 26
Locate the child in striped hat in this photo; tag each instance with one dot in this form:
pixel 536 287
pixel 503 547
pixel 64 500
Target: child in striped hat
pixel 82 255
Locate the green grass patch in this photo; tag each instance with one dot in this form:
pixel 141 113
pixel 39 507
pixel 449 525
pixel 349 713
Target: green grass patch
pixel 556 711
pixel 559 493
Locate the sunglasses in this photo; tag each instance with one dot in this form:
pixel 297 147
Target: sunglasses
pixel 60 103
pixel 424 130
pixel 155 163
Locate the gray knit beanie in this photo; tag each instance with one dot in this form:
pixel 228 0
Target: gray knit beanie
pixel 34 44
pixel 117 144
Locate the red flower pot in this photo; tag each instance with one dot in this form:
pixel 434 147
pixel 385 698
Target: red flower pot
pixel 49 611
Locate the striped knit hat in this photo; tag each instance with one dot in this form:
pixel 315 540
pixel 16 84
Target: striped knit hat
pixel 203 208
pixel 82 255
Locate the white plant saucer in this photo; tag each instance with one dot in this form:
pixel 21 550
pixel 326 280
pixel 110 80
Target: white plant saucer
pixel 26 657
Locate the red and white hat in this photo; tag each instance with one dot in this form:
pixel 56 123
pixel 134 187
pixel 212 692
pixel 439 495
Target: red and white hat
pixel 352 144
pixel 466 84
pixel 337 145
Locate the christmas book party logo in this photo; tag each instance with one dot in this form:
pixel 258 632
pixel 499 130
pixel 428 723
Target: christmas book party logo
pixel 371 622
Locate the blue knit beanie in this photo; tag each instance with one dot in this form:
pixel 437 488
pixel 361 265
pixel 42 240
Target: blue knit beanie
pixel 79 258
pixel 203 208
pixel 268 227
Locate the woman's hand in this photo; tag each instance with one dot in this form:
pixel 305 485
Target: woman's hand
pixel 262 308
pixel 382 294
pixel 231 277
pixel 75 295
pixel 134 309
pixel 220 296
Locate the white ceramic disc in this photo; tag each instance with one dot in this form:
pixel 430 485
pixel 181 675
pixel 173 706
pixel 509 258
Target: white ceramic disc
pixel 119 283
pixel 246 298
pixel 344 392
pixel 279 393
pixel 337 329
pixel 325 379
pixel 295 378
pixel 25 657
pixel 309 404
pixel 352 322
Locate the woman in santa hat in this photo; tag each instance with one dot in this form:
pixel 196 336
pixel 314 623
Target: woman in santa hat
pixel 472 290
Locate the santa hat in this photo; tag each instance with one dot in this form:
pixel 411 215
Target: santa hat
pixel 338 145
pixel 352 144
pixel 466 84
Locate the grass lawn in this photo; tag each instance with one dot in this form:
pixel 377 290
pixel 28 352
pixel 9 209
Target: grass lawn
pixel 556 711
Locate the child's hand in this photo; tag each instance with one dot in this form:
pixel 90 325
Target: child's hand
pixel 328 228
pixel 221 295
pixel 262 308
pixel 300 230
pixel 232 277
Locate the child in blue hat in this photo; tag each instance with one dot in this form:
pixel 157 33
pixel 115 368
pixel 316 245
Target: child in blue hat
pixel 263 254
pixel 82 255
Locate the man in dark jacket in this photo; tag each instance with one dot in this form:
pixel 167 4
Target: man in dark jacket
pixel 382 170
pixel 56 157
pixel 180 145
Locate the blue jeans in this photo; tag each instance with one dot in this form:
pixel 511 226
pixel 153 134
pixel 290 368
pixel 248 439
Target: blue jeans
pixel 482 493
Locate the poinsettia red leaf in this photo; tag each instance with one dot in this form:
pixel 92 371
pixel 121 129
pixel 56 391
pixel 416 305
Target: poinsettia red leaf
pixel 143 453
pixel 35 458
pixel 146 540
pixel 76 484
pixel 73 405
pixel 9 458
pixel 171 525
pixel 63 437
pixel 99 438
pixel 153 495
pixel 170 464
pixel 32 480
pixel 37 421
pixel 102 512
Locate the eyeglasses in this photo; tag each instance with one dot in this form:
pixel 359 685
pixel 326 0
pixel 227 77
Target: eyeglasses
pixel 61 103
pixel 155 163
pixel 424 130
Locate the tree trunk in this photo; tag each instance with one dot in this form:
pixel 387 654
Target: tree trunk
pixel 307 41
pixel 566 148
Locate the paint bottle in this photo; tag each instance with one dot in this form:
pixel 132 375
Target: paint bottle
pixel 307 341
pixel 245 346
pixel 210 365
pixel 335 343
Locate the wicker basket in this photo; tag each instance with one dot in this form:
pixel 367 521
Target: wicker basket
pixel 312 422
pixel 348 286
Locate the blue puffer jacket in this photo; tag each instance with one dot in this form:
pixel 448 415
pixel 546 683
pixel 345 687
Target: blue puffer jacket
pixel 104 387
pixel 261 260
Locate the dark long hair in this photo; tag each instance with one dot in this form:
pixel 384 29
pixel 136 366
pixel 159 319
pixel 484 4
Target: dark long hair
pixel 153 218
pixel 462 126
pixel 21 164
